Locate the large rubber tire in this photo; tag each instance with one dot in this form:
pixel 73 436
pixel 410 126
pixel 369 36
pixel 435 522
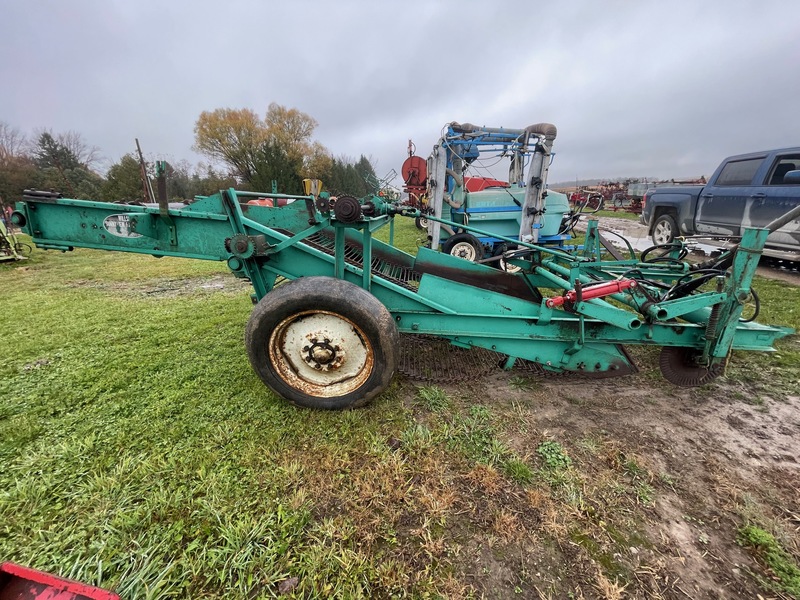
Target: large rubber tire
pixel 463 245
pixel 322 342
pixel 665 229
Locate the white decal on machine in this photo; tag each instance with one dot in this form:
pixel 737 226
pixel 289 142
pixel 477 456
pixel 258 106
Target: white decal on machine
pixel 120 226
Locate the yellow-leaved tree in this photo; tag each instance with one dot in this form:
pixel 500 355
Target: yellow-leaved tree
pixel 231 136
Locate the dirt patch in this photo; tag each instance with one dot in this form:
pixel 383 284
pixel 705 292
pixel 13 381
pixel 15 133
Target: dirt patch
pixel 669 477
pixel 167 288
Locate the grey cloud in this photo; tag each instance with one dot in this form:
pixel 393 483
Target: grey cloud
pixel 645 88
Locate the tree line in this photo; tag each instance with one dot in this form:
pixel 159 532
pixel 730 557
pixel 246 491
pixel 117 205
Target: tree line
pixel 251 152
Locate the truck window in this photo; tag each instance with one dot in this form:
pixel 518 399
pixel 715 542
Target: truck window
pixel 782 166
pixel 739 172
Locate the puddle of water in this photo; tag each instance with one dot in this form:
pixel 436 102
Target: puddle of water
pixel 643 242
pixel 636 234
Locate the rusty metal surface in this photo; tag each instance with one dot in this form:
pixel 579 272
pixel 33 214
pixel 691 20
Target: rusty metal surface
pixel 435 360
pixel 431 359
pixel 678 367
pixel 488 279
pixel 338 365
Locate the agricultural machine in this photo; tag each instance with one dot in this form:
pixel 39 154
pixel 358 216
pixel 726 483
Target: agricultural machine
pixel 10 246
pixel 521 207
pixel 332 301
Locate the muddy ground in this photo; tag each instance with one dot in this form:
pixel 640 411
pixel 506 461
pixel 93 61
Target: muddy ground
pixel 706 461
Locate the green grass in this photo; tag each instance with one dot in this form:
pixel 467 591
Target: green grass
pixel 406 235
pixel 786 574
pixel 553 456
pixel 770 374
pixel 138 450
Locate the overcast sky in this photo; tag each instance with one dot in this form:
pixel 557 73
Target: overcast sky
pixel 648 88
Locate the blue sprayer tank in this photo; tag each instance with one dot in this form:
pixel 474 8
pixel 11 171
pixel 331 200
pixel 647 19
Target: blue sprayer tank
pixel 498 210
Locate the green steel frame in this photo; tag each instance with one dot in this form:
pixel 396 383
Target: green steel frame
pixel 434 293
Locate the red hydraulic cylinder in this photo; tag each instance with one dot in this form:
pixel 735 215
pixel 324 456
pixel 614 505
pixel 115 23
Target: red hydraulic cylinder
pixel 596 290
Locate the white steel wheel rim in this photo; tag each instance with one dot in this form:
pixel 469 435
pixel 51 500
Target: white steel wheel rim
pixel 321 353
pixel 423 222
pixel 508 267
pixel 464 250
pixel 663 232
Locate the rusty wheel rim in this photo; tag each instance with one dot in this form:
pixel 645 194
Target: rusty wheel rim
pixel 321 353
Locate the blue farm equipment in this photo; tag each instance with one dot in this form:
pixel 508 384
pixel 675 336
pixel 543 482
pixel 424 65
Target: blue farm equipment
pixel 331 300
pixel 520 209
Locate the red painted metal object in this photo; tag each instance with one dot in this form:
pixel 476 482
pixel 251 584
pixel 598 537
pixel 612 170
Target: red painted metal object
pixel 415 178
pixel 23 583
pixel 591 291
pixel 477 184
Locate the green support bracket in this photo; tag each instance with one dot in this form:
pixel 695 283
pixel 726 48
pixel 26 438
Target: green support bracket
pixel 737 290
pixel 684 306
pixel 603 311
pixel 299 237
pixel 163 201
pixel 339 248
pixel 366 260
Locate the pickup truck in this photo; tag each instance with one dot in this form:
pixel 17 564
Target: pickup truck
pixel 748 190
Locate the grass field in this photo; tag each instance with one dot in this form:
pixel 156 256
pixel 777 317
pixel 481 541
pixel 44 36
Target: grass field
pixel 139 452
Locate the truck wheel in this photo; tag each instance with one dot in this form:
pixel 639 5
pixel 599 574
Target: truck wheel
pixel 664 229
pixel 322 342
pixel 463 245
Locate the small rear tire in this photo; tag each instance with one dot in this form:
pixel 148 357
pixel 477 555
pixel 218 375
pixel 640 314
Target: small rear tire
pixel 463 245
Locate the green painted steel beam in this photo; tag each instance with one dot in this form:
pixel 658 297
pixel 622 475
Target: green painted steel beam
pixel 263 243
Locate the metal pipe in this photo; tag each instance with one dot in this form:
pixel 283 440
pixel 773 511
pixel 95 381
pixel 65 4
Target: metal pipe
pixel 781 221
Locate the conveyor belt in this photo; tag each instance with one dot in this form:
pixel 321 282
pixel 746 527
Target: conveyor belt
pixel 398 274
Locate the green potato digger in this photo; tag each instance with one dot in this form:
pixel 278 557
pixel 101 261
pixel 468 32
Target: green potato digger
pixel 331 300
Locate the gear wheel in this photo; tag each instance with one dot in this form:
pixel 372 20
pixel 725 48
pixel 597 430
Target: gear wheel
pixel 679 366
